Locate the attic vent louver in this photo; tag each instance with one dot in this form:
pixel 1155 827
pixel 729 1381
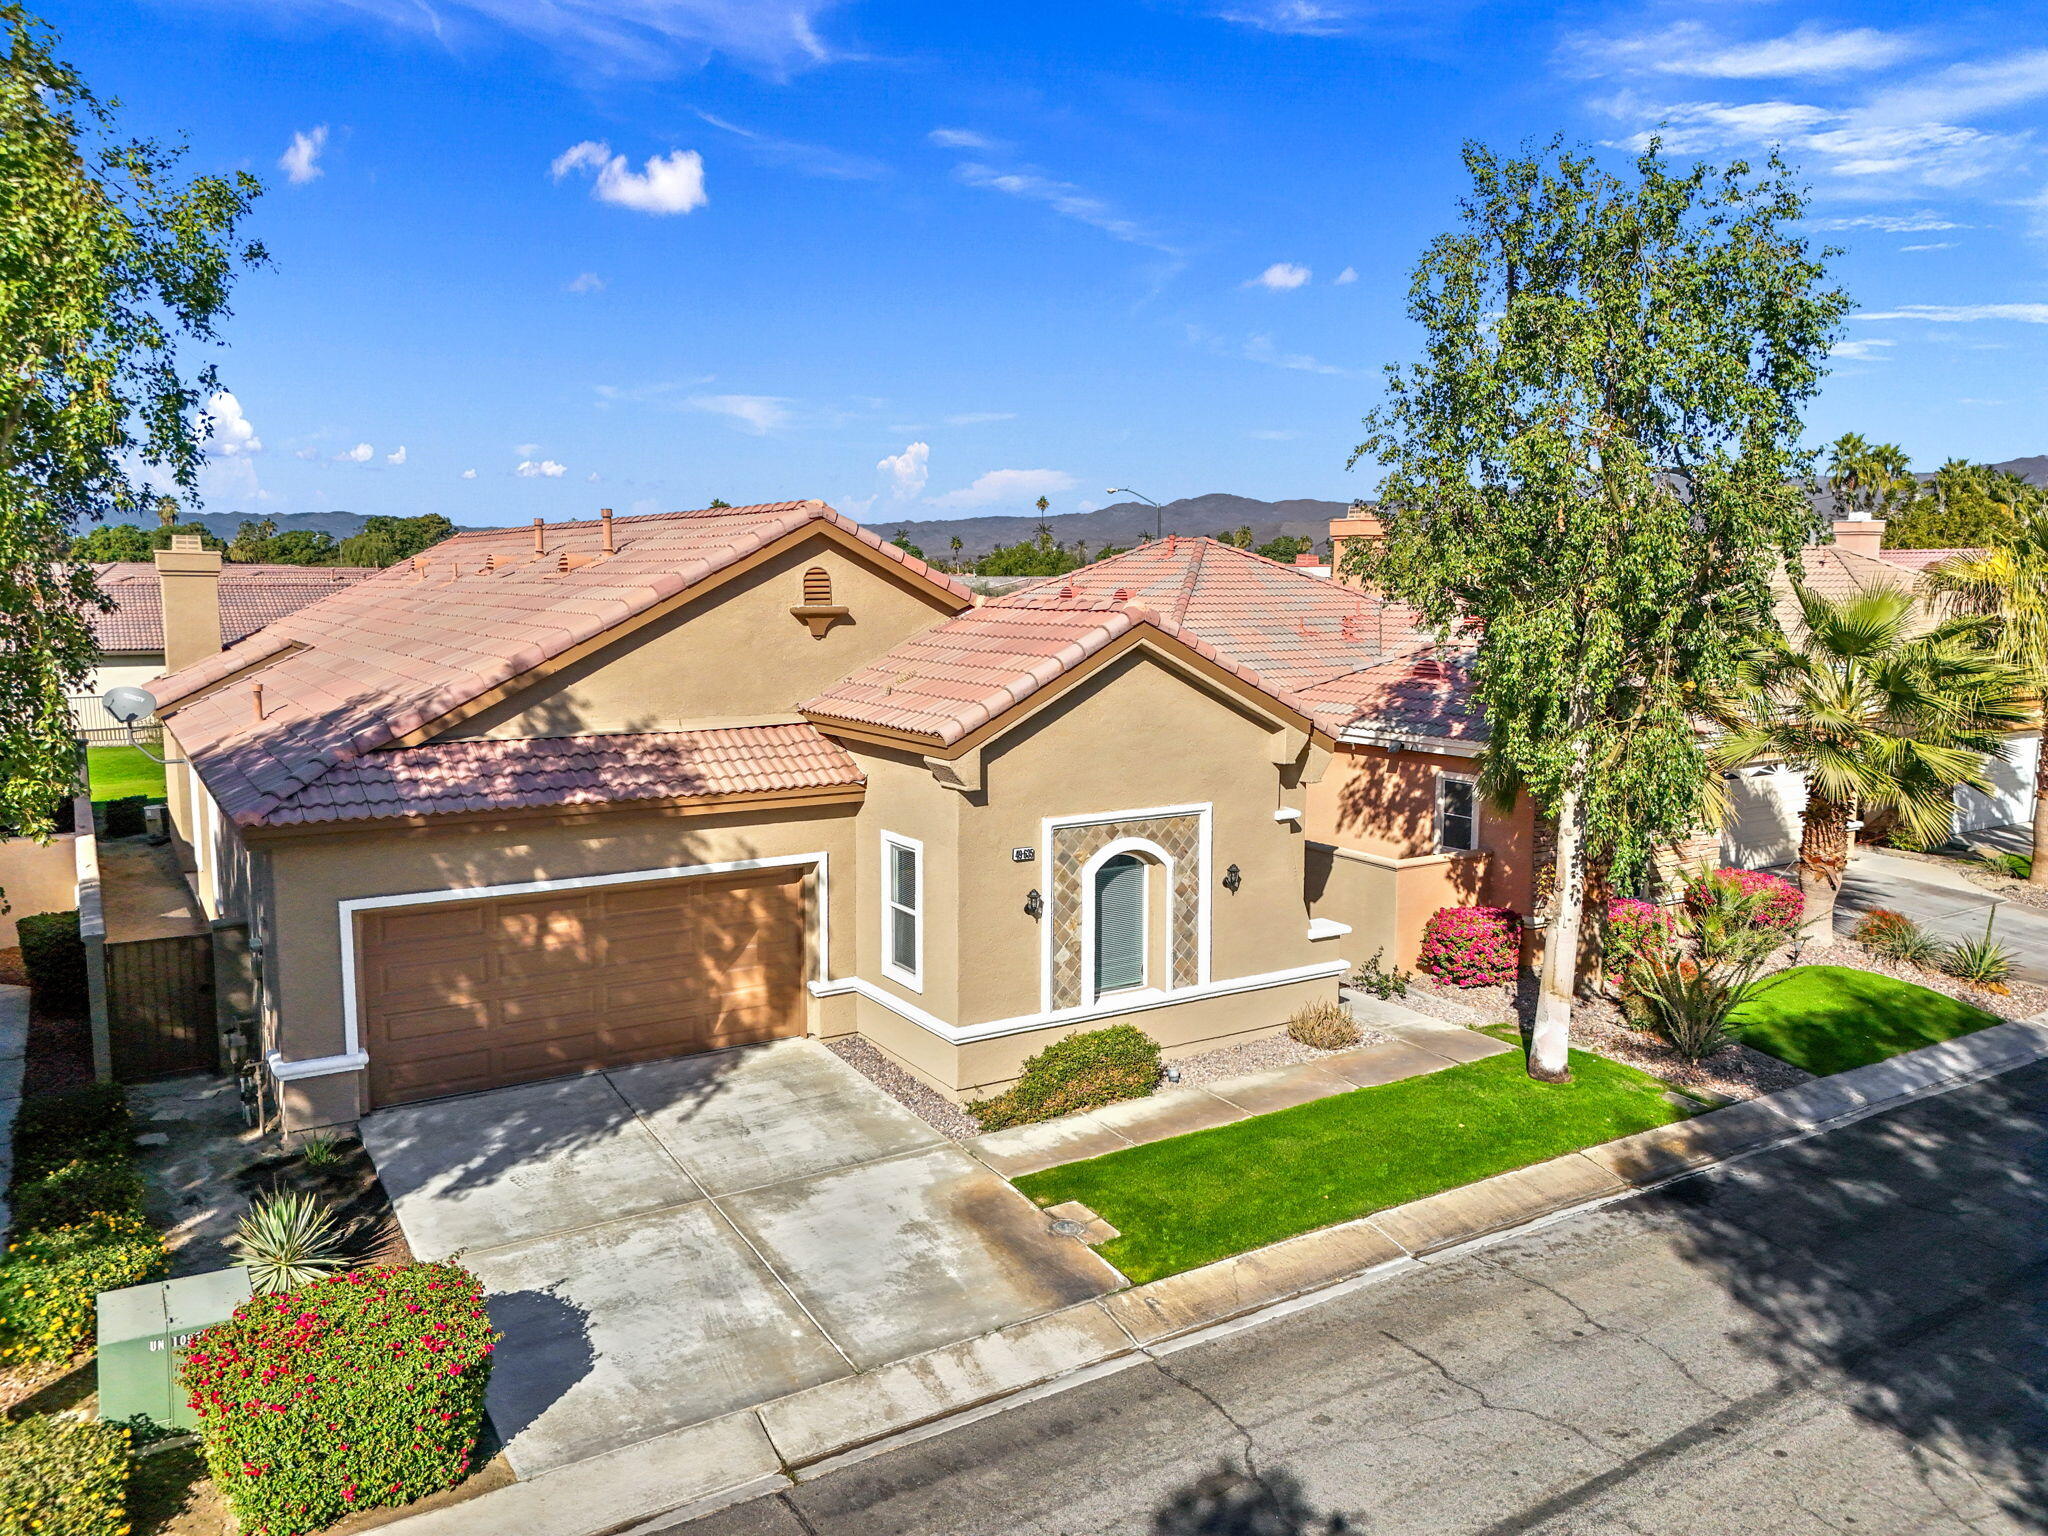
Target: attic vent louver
pixel 817 587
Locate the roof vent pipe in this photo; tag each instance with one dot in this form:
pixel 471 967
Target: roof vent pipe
pixel 605 513
pixel 540 542
pixel 256 700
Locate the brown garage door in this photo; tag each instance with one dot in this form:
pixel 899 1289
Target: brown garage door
pixel 458 996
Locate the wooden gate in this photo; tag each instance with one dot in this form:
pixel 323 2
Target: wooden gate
pixel 160 1017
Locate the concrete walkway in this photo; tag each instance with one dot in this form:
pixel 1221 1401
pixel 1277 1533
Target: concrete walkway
pixel 1943 902
pixel 1420 1045
pixel 13 1058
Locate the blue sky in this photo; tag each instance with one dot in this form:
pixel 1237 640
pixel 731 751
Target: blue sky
pixel 937 259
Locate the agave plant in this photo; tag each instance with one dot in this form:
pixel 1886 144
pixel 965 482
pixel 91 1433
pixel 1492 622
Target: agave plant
pixel 286 1241
pixel 1981 962
pixel 1916 948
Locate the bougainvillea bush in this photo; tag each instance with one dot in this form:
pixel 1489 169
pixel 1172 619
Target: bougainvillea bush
pixel 1636 931
pixel 359 1390
pixel 1778 902
pixel 1472 946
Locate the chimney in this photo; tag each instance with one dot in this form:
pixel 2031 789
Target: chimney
pixel 188 577
pixel 1358 527
pixel 1860 535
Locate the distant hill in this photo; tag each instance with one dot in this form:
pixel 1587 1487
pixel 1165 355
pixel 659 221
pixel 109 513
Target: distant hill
pixel 1121 523
pixel 2034 471
pixel 340 524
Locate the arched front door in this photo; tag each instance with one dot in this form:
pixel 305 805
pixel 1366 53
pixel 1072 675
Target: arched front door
pixel 1120 890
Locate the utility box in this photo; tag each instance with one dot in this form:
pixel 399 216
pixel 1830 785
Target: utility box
pixel 144 1331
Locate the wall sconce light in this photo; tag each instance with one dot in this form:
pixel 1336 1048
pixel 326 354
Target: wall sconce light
pixel 1034 906
pixel 1233 877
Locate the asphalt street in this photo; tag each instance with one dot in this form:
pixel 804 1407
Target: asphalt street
pixel 1844 1335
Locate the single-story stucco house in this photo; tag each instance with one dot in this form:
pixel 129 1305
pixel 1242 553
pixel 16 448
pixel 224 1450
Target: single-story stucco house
pixel 542 801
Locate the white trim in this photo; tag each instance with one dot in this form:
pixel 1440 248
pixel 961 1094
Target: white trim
pixel 1089 996
pixel 913 978
pixel 1401 741
pixel 1122 1003
pixel 1094 818
pixel 352 1051
pixel 1327 928
pixel 1287 813
pixel 1443 778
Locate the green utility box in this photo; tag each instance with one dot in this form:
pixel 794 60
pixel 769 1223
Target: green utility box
pixel 144 1331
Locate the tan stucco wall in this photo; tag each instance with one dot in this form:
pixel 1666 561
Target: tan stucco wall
pixel 735 652
pixel 309 876
pixel 903 798
pixel 126 669
pixel 1382 806
pixel 36 877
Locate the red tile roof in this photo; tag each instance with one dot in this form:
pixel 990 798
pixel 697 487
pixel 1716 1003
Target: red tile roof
pixel 444 778
pixel 351 674
pixel 1427 692
pixel 1922 559
pixel 251 596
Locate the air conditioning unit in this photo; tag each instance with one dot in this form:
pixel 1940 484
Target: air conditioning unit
pixel 157 822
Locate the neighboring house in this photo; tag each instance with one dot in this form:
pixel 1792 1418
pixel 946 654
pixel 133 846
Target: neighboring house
pixel 131 637
pixel 546 800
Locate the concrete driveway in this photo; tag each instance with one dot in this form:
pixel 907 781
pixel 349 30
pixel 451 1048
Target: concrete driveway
pixel 1941 901
pixel 675 1241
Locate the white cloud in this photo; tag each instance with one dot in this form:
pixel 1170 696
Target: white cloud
pixel 1281 276
pixel 1890 223
pixel 1348 275
pixel 1260 349
pixel 1298 18
pixel 1007 485
pixel 362 453
pixel 527 450
pixel 1689 48
pixel 228 431
pixel 1870 350
pixel 300 161
pixel 1065 199
pixel 306 453
pixel 593 478
pixel 960 138
pixel 1959 314
pixel 979 418
pixel 757 414
pixel 907 471
pixel 541 468
pixel 469 474
pixel 396 455
pixel 1931 245
pixel 1965 90
pixel 806 159
pixel 627 37
pixel 585 282
pixel 670 183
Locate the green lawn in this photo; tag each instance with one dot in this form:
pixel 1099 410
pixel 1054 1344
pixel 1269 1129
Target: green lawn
pixel 1829 1018
pixel 1201 1197
pixel 118 772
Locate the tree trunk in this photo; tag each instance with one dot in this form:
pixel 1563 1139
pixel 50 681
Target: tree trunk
pixel 1823 855
pixel 1550 1037
pixel 2038 874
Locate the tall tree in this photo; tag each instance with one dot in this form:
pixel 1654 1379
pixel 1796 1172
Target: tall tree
pixel 1876 714
pixel 1868 479
pixel 1595 465
pixel 2008 583
pixel 111 270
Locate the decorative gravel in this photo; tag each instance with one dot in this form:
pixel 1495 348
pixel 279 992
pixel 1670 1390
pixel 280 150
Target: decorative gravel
pixel 1260 1056
pixel 929 1105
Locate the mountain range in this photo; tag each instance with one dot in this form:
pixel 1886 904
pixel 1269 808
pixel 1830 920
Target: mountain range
pixel 1120 523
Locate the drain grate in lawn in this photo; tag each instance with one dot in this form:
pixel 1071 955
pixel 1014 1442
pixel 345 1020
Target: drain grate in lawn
pixel 1194 1199
pixel 1829 1018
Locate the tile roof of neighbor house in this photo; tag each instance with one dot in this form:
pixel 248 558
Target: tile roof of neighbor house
pixel 1427 692
pixel 1276 628
pixel 1921 559
pixel 251 596
pixel 443 778
pixel 353 673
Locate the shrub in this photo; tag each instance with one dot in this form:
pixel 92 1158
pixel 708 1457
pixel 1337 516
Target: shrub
pixel 105 1184
pixel 54 957
pixel 49 1279
pixel 124 817
pixel 1772 900
pixel 357 1391
pixel 1981 962
pixel 63 1477
pixel 1635 931
pixel 1380 980
pixel 1472 946
pixel 1323 1026
pixel 1688 1002
pixel 2015 866
pixel 1881 929
pixel 91 1120
pixel 1083 1071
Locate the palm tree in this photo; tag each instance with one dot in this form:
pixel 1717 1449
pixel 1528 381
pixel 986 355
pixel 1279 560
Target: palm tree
pixel 2008 584
pixel 1876 715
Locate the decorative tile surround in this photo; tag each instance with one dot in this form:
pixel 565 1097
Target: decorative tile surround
pixel 1073 847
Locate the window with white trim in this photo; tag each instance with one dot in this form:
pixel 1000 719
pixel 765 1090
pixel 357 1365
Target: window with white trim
pixel 1457 813
pixel 903 909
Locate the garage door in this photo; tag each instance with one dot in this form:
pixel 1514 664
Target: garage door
pixel 458 996
pixel 1764 810
pixel 2011 795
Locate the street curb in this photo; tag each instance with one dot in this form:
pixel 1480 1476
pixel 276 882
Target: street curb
pixel 705 1467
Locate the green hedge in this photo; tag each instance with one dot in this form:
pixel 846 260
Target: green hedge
pixel 52 1129
pixel 49 1279
pixel 104 1184
pixel 63 1477
pixel 1080 1072
pixel 124 817
pixel 54 957
pixel 356 1391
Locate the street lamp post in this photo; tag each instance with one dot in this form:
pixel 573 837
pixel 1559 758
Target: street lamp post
pixel 1158 523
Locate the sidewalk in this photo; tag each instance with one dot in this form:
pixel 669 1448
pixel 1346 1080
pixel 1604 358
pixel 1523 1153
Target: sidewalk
pixel 707 1466
pixel 13 1058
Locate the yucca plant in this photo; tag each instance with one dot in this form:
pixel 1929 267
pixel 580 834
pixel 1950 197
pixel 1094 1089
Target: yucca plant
pixel 1981 962
pixel 286 1241
pixel 1916 948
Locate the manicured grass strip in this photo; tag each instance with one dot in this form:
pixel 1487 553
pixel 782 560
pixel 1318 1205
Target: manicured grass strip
pixel 118 772
pixel 1829 1018
pixel 1201 1197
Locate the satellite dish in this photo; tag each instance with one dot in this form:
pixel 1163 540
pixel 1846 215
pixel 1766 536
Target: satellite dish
pixel 129 705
